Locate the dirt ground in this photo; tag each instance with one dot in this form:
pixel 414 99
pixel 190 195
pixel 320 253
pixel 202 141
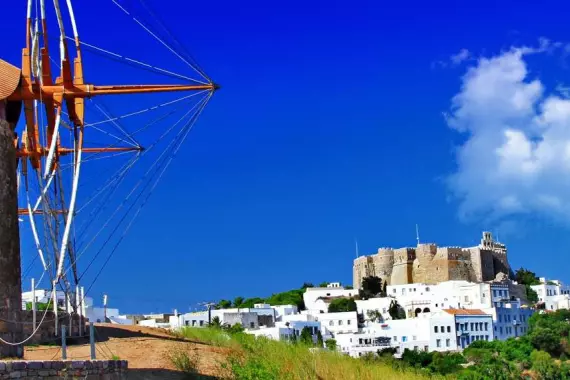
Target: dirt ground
pixel 145 348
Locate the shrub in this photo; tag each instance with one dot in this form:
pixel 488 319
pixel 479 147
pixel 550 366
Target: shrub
pixel 331 344
pixel 342 304
pixel 182 361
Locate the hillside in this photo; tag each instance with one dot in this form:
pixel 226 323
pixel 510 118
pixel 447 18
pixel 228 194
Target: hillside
pixel 219 356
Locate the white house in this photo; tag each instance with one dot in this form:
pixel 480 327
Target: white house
pixel 553 295
pixel 337 323
pixel 316 298
pixel 470 325
pixel 374 304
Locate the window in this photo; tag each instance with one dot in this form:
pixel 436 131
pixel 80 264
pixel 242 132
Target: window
pixel 486 337
pixel 486 326
pixel 500 318
pixel 494 293
pixel 193 322
pixel 404 339
pixel 395 339
pixel 426 348
pixel 348 322
pixel 434 329
pixel 427 289
pixel 251 324
pixel 466 298
pixel 472 329
pixel 201 323
pixel 447 343
pixel 481 326
pixel 393 290
pixel 438 342
pixel 415 348
pixel 501 329
pixel 340 322
pixel 331 323
pixel 442 329
pixel 414 337
pixel 448 328
pixel 457 326
pixel 476 327
pixel 187 323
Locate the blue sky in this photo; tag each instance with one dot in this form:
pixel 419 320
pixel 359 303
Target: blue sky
pixel 330 126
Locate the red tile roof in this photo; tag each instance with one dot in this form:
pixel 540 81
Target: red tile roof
pixel 465 311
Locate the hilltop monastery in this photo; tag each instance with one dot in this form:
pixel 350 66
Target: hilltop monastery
pixel 430 264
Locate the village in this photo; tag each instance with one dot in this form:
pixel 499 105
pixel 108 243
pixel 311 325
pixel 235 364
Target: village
pixel 446 316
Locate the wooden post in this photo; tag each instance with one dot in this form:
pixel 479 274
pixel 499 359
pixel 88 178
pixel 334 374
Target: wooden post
pixel 92 340
pixel 63 343
pixel 10 272
pixel 34 303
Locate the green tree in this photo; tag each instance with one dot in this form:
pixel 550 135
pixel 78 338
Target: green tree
pixel 320 342
pixel 544 366
pixel 385 289
pixel 224 304
pixel 238 301
pixel 249 302
pixel 331 344
pixel 531 295
pixel 371 287
pixel 323 284
pixel 341 305
pixel 306 336
pixel 216 323
pixel 396 311
pixel 526 277
pixel 307 285
pixel 374 315
pixel 547 340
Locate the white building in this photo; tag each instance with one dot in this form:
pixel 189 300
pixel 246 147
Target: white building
pixel 337 323
pixel 510 320
pixel 259 315
pixel 470 325
pixel 317 299
pixel 364 307
pixel 553 295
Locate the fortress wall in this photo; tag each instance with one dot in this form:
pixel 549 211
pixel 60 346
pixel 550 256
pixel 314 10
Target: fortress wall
pixel 403 266
pixel 383 263
pixel 362 267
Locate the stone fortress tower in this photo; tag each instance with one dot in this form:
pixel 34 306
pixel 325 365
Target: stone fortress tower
pixel 430 264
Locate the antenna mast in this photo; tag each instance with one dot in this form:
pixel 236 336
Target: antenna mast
pixel 417 234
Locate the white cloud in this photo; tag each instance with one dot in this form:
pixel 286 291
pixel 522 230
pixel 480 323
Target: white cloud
pixel 516 158
pixel 463 55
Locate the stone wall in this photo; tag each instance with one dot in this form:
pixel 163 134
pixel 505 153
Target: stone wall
pixel 383 263
pixel 67 369
pixel 403 266
pixel 46 332
pixel 430 264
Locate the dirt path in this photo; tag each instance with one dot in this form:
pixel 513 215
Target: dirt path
pixel 145 348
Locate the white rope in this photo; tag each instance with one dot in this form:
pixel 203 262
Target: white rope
pixel 147 109
pixel 53 142
pixel 72 16
pixel 140 63
pixel 33 332
pixel 70 213
pixel 159 40
pixel 62 49
pixel 35 232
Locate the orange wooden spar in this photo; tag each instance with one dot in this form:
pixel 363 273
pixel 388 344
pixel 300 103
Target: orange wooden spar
pixel 24 152
pixel 24 211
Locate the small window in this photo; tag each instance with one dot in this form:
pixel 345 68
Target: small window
pixel 448 328
pixel 251 324
pixel 414 337
pixel 348 322
pixel 331 323
pixel 395 339
pixel 438 342
pixel 434 329
pixel 201 323
pixel 340 322
pixel 447 343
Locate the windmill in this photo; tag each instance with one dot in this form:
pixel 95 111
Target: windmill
pixel 51 148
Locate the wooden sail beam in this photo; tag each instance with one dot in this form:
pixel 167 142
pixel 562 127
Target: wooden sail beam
pixel 36 92
pixel 25 211
pixel 24 152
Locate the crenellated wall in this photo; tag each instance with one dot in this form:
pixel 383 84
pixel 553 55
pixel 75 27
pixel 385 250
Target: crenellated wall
pixel 428 263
